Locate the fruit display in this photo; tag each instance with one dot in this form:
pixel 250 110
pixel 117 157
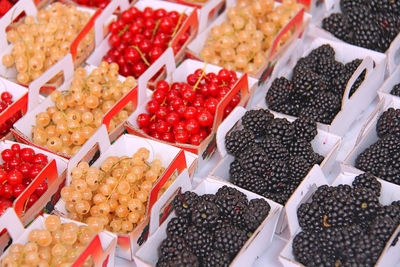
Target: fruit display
pixel 79 111
pixel 371 24
pixel 138 38
pixel 114 196
pixel 38 43
pixel 19 168
pixel 183 112
pixel 243 41
pixel 5 102
pixel 345 225
pixel 59 244
pixel 316 88
pixel 381 158
pixel 272 155
pixel 210 229
pixel 396 90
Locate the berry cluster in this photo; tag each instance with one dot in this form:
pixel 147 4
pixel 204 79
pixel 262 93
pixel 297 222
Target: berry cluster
pixel 114 196
pixel 5 102
pixel 242 42
pixel 210 229
pixel 396 90
pixel 345 225
pixel 316 88
pixel 79 111
pixel 59 244
pixel 184 112
pixel 371 24
pixel 20 167
pixel 138 38
pixel 38 43
pixel 382 158
pixel 272 155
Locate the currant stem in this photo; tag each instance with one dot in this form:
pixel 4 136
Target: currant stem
pixel 176 27
pixel 141 55
pixel 201 77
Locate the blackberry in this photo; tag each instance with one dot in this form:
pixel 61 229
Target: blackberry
pixel 249 182
pixel 385 6
pixel 350 68
pixel 305 128
pixel 346 6
pixel 256 121
pixel 183 203
pixel 373 159
pixel 322 192
pixel 329 69
pixel 338 85
pixel 366 204
pixel 303 149
pixel 337 210
pixel 177 226
pixel 183 258
pixel 388 123
pixel 280 198
pixel 359 16
pixel 216 258
pixel 230 191
pixel 172 246
pixel 391 211
pixel 327 102
pixel 278 93
pixel 237 141
pixel 308 83
pixel 318 158
pixel 304 245
pixel 337 25
pixel 310 217
pixel 281 129
pixel 312 113
pixel 235 167
pixel 229 239
pixel 288 108
pixel 255 161
pixel 208 197
pixel 232 207
pixel 396 90
pixel 278 176
pixel 366 35
pixel 367 250
pixel 369 181
pixel 199 240
pixel 257 211
pixel 303 64
pixel 274 149
pixel 298 168
pixel 390 174
pixel 324 51
pixel 205 214
pixel 322 260
pixel 382 228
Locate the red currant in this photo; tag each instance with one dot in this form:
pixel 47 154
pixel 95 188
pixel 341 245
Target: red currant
pixel 7 155
pixel 14 177
pixel 205 118
pixel 41 189
pixel 143 120
pixel 181 137
pixel 18 189
pixel 27 154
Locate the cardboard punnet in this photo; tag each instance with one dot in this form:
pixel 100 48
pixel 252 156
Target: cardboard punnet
pixel 316 30
pixel 173 159
pixel 102 45
pixel 147 255
pixel 368 135
pixel 29 8
pixel 23 128
pixel 373 62
pixel 101 248
pixel 392 80
pixel 245 86
pixel 298 24
pixel 324 143
pixel 389 193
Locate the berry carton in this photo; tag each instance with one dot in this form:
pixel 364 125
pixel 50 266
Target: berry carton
pixel 324 143
pixel 393 79
pixel 260 240
pixel 23 128
pixel 27 6
pixel 245 87
pixel 389 193
pixel 101 248
pixel 372 62
pixel 173 159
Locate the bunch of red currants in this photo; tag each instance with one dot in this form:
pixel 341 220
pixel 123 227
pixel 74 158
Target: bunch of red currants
pixel 138 38
pixel 184 112
pixel 93 3
pixel 5 102
pixel 19 169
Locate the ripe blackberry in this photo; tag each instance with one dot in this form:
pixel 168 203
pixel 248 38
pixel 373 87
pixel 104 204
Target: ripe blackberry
pixel 278 176
pixel 329 69
pixel 304 245
pixel 318 158
pixel 232 207
pixel 305 128
pixel 336 24
pixel 359 16
pixel 385 6
pixel 366 35
pixel 230 191
pixel 229 239
pixel 249 181
pixel 373 159
pixel 324 51
pixel 310 217
pixel 274 149
pixel 369 181
pixel 183 203
pixel 216 258
pixel 338 85
pixel 396 90
pixel 382 228
pixel 312 113
pixel 237 141
pixel 337 210
pixel 390 174
pixel 303 149
pixel 302 64
pixel 255 161
pixel 366 204
pixel 235 167
pixel 258 209
pixel 209 197
pixel 172 247
pixel 327 101
pixel 280 198
pixel 391 211
pixel 287 108
pixel 308 83
pixel 256 121
pixel 388 123
pixel 199 240
pixel 322 192
pixel 346 6
pixel 205 214
pixel 183 258
pixel 367 250
pixel 350 68
pixel 298 168
pixel 177 226
pixel 279 92
pixel 281 129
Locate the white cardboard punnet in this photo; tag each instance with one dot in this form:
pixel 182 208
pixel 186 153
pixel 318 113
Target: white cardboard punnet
pixel 392 80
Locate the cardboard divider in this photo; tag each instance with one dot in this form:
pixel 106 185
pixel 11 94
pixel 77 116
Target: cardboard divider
pixel 14 229
pixel 394 54
pixel 20 96
pixel 95 250
pixel 392 80
pixel 368 123
pixel 190 23
pixel 206 11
